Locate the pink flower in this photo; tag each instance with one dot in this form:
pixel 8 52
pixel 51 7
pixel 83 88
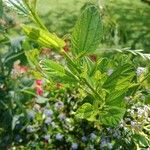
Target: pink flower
pixel 23 69
pixel 38 87
pixel 39 82
pixel 39 90
pixel 18 69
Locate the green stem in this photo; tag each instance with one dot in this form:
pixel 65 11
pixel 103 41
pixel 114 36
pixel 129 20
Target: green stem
pixel 82 79
pixel 12 57
pixel 17 84
pixel 140 84
pixel 1 65
pixel 145 78
pixel 37 20
pixel 92 89
pixel 71 62
pixel 34 16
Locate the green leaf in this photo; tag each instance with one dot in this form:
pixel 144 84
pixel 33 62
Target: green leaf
pixel 86 111
pixel 91 66
pixel 33 57
pixel 44 38
pixel 142 140
pixel 52 67
pixel 15 121
pixel 4 40
pixel 87 32
pixel 147 99
pixel 18 6
pixel 41 100
pixel 53 70
pixel 118 93
pixel 112 115
pixel 123 74
pixel 116 98
pixel 1 8
pixel 88 99
pixel 32 3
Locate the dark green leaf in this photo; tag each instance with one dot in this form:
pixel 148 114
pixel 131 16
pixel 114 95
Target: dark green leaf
pixel 142 140
pixel 88 99
pixel 147 99
pixel 1 8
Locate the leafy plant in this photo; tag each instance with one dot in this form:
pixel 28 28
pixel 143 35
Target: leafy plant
pixel 107 92
pixel 79 92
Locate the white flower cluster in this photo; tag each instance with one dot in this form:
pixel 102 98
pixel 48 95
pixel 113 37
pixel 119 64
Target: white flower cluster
pixel 140 113
pixel 140 71
pixel 143 111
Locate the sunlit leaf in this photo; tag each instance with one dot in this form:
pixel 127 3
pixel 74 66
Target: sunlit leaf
pixel 86 111
pixel 44 38
pixel 119 76
pixel 87 33
pixel 32 57
pixel 112 115
pixel 53 70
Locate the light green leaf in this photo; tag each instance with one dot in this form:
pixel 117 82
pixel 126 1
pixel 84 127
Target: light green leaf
pixel 123 74
pixel 116 95
pixel 41 100
pixel 44 38
pixel 15 120
pixel 116 98
pixel 124 82
pixel 53 70
pixel 52 67
pixel 87 32
pixel 33 56
pixel 86 111
pixel 32 3
pixel 84 73
pixel 112 115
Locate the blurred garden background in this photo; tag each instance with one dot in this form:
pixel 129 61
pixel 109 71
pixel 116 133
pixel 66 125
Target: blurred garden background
pixel 86 88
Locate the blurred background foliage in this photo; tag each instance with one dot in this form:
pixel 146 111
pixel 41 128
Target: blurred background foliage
pixel 126 24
